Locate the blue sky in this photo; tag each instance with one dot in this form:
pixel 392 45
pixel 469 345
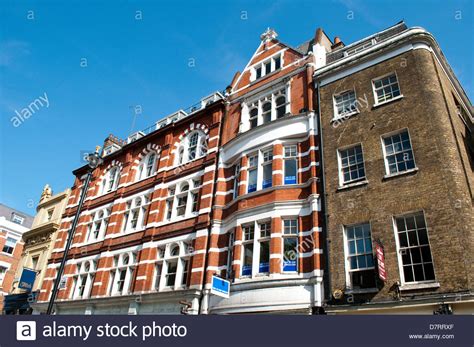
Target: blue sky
pixel 94 60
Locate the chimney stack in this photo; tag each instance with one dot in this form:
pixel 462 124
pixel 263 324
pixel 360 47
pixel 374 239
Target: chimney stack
pixel 337 43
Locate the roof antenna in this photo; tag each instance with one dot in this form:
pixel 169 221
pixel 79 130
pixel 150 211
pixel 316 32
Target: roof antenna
pixel 137 109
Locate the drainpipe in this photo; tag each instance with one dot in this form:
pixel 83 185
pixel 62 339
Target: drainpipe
pixel 323 196
pixel 208 240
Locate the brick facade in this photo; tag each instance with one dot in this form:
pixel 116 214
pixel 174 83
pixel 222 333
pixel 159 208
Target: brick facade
pixel 264 206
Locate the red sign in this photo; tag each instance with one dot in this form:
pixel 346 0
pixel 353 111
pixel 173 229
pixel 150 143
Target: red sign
pixel 381 261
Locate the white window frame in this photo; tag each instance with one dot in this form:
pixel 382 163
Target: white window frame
pixel 289 157
pixel 175 193
pixel 399 248
pixel 384 152
pixel 343 183
pixel 374 89
pixel 264 163
pixel 236 180
pixel 290 235
pixel 138 205
pixel 182 153
pixel 144 166
pixel 3 272
pixel 108 180
pixel 16 218
pixel 84 274
pixel 15 242
pixel 347 256
pixel 338 115
pixel 100 217
pixel 259 167
pixel 257 103
pixel 128 267
pixel 182 260
pixel 261 65
pixel 251 242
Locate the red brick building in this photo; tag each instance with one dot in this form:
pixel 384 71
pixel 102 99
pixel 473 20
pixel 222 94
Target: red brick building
pixel 140 243
pixel 266 225
pixel 285 186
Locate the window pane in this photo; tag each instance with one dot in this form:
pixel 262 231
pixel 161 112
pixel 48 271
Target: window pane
pixel 248 257
pixel 416 253
pixel 290 171
pixel 267 176
pixel 277 63
pixel 290 254
pixel 252 181
pixel 352 164
pixel 264 265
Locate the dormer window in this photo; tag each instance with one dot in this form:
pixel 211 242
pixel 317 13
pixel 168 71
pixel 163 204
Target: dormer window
pixel 266 67
pixel 110 149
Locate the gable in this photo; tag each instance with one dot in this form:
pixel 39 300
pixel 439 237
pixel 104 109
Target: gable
pixel 271 52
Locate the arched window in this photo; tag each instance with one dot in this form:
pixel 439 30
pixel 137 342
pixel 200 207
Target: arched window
pixel 121 275
pixel 111 180
pixel 174 252
pixel 134 216
pixel 280 106
pixel 99 225
pixel 82 282
pixel 180 155
pixel 253 118
pixel 192 147
pixel 182 200
pixel 267 112
pixel 147 166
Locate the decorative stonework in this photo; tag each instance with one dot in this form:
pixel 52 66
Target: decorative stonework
pixel 46 194
pixel 268 35
pixel 192 127
pixel 38 239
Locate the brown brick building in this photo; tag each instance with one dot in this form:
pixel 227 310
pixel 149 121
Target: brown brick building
pixel 398 171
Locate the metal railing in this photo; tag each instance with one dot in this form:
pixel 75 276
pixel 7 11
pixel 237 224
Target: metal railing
pixel 178 115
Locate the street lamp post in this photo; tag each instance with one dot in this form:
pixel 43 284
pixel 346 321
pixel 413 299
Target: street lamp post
pixel 93 160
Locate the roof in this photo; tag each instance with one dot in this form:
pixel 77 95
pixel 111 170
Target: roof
pixel 9 212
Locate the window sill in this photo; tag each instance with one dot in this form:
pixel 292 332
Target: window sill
pixel 178 219
pixel 353 185
pixel 340 118
pixel 415 286
pixel 407 172
pixel 362 291
pixel 180 165
pixel 7 254
pixel 388 101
